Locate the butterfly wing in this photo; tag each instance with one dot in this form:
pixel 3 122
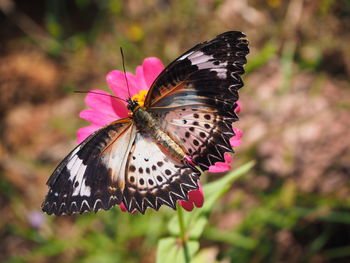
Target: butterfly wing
pixel 91 177
pixel 207 73
pixel 154 179
pixel 203 132
pixel 194 98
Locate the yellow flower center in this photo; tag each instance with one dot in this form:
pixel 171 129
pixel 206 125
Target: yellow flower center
pixel 140 98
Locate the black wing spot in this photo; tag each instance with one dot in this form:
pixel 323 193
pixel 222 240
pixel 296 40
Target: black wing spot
pixel 195 142
pixel 148 170
pixel 207 117
pixel 150 181
pixel 140 170
pixel 159 178
pixel 132 168
pixel 191 129
pixel 76 184
pixel 142 181
pixel 154 167
pixel 132 179
pixel 187 134
pixel 160 164
pixel 167 172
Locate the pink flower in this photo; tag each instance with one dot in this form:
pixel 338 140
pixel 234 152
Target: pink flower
pixel 36 219
pixel 104 110
pixel 221 167
pixel 195 198
pixel 235 141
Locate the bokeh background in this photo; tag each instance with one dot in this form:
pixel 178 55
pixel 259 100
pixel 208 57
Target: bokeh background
pixel 293 206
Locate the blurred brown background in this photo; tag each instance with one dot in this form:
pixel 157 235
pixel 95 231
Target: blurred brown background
pixel 294 205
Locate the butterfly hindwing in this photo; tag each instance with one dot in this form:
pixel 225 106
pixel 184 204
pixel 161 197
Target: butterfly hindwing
pixel 85 181
pixel 154 179
pixel 205 133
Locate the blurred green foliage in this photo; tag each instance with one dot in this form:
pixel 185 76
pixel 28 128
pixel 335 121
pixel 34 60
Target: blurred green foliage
pixel 281 224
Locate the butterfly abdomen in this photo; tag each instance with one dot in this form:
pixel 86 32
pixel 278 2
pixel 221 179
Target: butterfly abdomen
pixel 149 125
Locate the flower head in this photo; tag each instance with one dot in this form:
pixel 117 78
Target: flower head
pixel 36 219
pixel 106 109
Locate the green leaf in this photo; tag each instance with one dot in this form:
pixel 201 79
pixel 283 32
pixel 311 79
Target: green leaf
pixel 231 237
pixel 261 58
pixel 196 220
pixel 194 226
pixel 206 255
pixel 170 250
pixel 213 191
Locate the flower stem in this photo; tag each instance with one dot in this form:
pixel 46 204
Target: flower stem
pixel 183 233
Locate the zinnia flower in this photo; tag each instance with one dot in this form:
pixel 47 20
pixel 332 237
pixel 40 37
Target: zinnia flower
pixel 105 109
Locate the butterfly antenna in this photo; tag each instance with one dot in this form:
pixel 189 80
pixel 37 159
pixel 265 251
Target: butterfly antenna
pixel 126 79
pixel 98 93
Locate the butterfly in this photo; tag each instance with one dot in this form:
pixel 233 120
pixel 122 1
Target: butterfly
pixel 156 156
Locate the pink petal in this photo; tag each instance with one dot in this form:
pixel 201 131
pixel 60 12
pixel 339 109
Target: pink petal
pixel 239 107
pixel 96 117
pixel 197 196
pixel 235 141
pixel 187 205
pixel 140 78
pixel 123 208
pixel 106 105
pixel 85 132
pixel 117 83
pixel 152 67
pixel 221 167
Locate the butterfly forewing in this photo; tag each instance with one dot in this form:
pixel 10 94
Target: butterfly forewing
pixel 210 70
pixel 154 179
pixel 86 179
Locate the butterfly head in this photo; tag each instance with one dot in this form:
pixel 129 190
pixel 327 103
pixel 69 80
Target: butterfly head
pixel 132 104
pixel 137 100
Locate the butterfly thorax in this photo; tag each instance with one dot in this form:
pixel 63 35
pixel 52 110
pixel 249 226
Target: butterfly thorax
pixel 148 124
